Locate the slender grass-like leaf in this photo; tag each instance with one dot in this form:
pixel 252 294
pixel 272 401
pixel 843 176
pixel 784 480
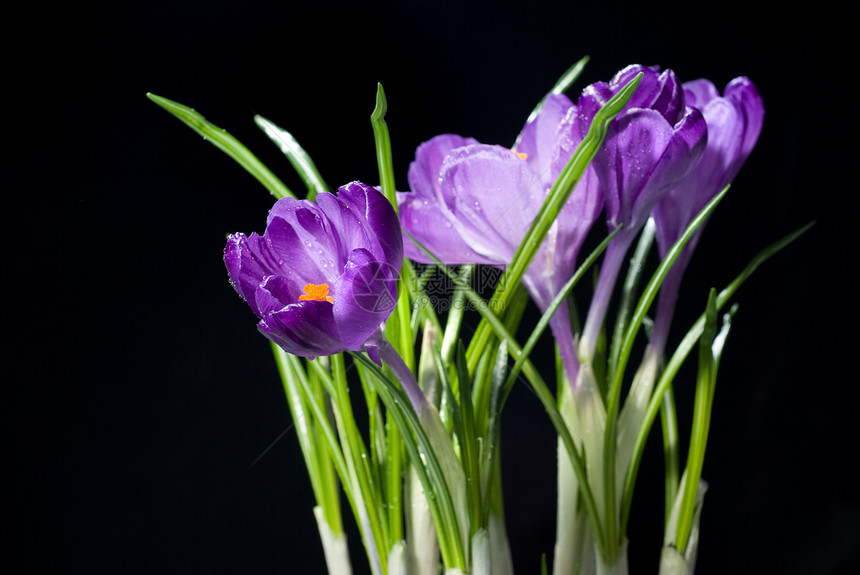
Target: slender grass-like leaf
pixel 681 353
pixel 671 454
pixel 543 322
pixel 538 386
pixel 422 310
pixel 469 443
pixel 425 462
pixel 366 498
pixel 226 143
pixel 456 311
pixel 705 382
pixel 631 283
pixel 297 156
pixel 383 146
pixel 610 443
pixel 316 453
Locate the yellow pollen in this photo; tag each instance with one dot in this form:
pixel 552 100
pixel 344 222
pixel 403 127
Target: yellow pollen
pixel 314 292
pixel 522 155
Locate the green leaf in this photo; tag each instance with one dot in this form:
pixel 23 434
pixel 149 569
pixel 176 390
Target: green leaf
pixel 612 407
pixel 383 146
pixel 538 386
pixel 226 143
pixel 705 382
pixel 681 353
pixel 432 456
pixel 543 323
pixel 469 443
pixel 298 157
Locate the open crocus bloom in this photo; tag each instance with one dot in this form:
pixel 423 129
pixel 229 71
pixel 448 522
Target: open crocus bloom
pixel 323 276
pixel 473 203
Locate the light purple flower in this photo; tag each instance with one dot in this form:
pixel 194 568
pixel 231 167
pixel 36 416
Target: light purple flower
pixel 734 123
pixel 473 203
pixel 323 276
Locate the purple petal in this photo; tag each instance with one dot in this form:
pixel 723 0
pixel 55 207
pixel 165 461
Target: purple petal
pixel 305 329
pixel 305 240
pixel 734 123
pixel 725 136
pixel 744 93
pixel 699 92
pixel 688 143
pixel 434 229
pixel 248 261
pixel 378 218
pixel 647 156
pixel 669 98
pixel 636 143
pixel 365 296
pixel 274 294
pixel 424 171
pixel 657 91
pixel 538 140
pixel 494 195
pixel 578 215
pixel 301 258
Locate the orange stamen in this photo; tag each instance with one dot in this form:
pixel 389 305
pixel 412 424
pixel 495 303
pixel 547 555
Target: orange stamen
pixel 522 155
pixel 314 292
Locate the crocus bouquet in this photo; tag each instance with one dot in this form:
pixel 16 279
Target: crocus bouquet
pixel 342 280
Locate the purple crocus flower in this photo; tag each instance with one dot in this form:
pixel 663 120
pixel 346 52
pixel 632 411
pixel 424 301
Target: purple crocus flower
pixel 473 203
pixel 734 123
pixel 323 276
pixel 652 145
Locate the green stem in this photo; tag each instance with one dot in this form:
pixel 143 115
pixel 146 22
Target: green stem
pixel 421 452
pixel 357 462
pixel 610 443
pixel 671 461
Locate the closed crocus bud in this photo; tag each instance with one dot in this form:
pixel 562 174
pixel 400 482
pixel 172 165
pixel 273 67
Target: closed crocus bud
pixel 652 145
pixel 734 122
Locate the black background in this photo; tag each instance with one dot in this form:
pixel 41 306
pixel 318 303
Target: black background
pixel 138 396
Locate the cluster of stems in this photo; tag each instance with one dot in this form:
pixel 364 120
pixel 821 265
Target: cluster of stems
pixel 422 478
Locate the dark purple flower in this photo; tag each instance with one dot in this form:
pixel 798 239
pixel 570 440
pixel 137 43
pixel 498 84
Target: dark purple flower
pixel 652 145
pixel 473 203
pixel 734 123
pixel 323 276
